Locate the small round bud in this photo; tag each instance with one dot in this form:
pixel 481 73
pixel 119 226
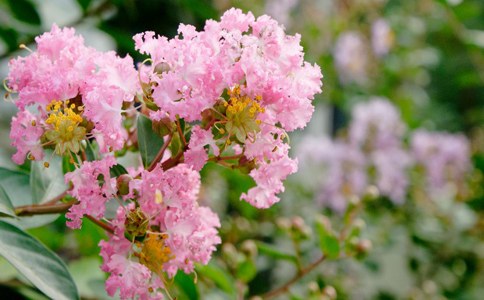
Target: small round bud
pixel 372 192
pixel 330 292
pixel 298 223
pixel 249 248
pixel 313 287
pixel 323 220
pixel 256 298
pixel 365 245
pixel 162 127
pixel 123 184
pixel 359 223
pixel 429 287
pixel 229 249
pixel 354 200
pixel 283 223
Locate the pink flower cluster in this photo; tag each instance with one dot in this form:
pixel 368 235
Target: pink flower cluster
pixel 175 232
pixel 238 87
pixel 82 81
pixel 374 153
pixel 265 78
pixel 445 157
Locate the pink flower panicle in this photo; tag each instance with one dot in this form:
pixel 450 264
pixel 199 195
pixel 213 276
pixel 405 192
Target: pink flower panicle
pixel 87 87
pixel 246 75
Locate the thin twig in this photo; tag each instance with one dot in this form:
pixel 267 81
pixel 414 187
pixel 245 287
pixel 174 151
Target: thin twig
pixel 283 289
pixel 31 210
pixel 101 224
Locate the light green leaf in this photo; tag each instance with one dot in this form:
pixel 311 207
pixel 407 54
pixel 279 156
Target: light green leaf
pixel 6 206
pixel 46 183
pixel 246 271
pixel 328 242
pixel 37 263
pixel 219 276
pixel 274 253
pixel 148 141
pixel 16 186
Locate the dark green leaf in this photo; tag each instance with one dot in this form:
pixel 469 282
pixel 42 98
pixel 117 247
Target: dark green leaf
pixel 219 276
pixel 274 253
pixel 24 11
pixel 328 242
pixel 117 170
pixel 6 206
pixel 84 4
pixel 148 141
pixel 187 286
pixel 37 263
pixel 246 271
pixel 90 153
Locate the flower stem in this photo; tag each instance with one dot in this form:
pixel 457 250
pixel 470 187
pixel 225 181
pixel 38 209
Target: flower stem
pixel 39 209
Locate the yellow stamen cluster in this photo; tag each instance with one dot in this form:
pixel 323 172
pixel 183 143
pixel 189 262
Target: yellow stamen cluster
pixel 154 252
pixel 61 113
pixel 237 103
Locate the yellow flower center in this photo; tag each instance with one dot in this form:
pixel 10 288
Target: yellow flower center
pixel 241 114
pixel 63 121
pixel 154 252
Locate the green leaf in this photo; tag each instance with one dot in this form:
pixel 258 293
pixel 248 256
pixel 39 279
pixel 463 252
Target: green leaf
pixel 67 167
pixel 84 4
pixel 148 141
pixel 187 286
pixel 219 276
pixel 6 206
pixel 274 253
pixel 246 271
pixel 24 11
pixel 37 263
pixel 175 144
pixel 328 242
pixel 117 170
pixel 16 185
pixel 90 153
pixel 46 183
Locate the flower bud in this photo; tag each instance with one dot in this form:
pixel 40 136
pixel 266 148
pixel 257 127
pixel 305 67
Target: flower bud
pixel 123 184
pixel 371 193
pixel 137 222
pixel 162 127
pixel 323 220
pixel 249 248
pixel 313 287
pixel 363 248
pixel 330 292
pixel 283 223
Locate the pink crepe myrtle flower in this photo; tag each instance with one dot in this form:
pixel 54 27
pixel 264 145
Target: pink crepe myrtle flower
pixel 351 58
pixel 175 233
pixel 248 78
pixel 77 93
pixel 376 125
pixel 445 157
pixel 382 37
pixel 93 186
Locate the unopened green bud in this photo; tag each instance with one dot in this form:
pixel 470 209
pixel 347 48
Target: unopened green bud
pixel 163 127
pixel 372 193
pixel 123 184
pixel 330 292
pixel 249 248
